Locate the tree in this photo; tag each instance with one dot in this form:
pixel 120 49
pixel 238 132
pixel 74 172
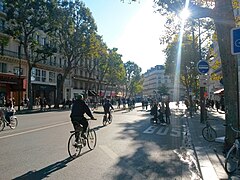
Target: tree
pixel 133 78
pixel 187 67
pixel 115 71
pixel 25 20
pixel 220 11
pixel 74 27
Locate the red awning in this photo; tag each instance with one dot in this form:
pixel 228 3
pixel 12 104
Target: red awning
pixel 220 91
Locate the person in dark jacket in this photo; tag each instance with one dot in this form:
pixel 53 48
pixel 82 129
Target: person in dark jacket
pixel 79 108
pixel 107 106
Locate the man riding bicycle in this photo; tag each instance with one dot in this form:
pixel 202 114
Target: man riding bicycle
pixel 79 108
pixel 106 106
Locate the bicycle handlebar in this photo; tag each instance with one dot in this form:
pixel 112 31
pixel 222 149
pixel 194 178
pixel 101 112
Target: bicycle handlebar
pixel 91 119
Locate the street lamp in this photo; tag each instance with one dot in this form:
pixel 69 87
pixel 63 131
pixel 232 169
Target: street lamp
pixel 19 76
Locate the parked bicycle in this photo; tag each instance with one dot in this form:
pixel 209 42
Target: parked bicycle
pixel 76 142
pixel 209 133
pixel 107 119
pixel 232 160
pixel 7 118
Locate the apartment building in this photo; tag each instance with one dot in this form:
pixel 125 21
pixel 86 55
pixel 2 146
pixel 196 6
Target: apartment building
pixel 155 78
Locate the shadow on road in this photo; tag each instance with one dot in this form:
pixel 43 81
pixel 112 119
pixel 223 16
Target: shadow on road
pixel 154 157
pixel 45 172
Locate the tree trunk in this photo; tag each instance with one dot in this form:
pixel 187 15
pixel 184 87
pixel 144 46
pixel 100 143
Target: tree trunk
pixel 224 21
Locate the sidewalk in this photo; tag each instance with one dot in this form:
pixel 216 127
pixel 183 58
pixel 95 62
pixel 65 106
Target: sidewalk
pixel 209 154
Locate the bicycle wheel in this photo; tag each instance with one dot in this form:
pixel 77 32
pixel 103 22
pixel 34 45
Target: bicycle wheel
pixel 110 119
pixel 209 134
pixel 13 122
pixel 104 120
pixel 74 149
pixel 231 161
pixel 91 139
pixel 2 124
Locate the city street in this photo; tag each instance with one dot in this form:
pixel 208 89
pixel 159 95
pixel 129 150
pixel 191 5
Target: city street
pixel 129 148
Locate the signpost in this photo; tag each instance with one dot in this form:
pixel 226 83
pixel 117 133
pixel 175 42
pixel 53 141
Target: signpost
pixel 235 50
pixel 203 68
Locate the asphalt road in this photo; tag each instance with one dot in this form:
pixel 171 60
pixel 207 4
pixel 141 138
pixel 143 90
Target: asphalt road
pixel 129 148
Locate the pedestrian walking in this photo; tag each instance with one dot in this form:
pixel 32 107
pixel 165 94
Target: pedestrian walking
pixel 167 112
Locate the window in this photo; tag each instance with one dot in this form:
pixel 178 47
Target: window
pixel 37 75
pixel 1 6
pixel 3 67
pixel 55 61
pixel 44 41
pixel 44 73
pixel 50 60
pixel 38 38
pixel 52 77
pixel 60 62
pixel 2 24
pixel 18 71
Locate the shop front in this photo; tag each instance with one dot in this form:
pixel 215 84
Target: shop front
pixel 44 91
pixel 12 86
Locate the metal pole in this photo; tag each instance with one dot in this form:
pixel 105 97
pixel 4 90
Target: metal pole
pixel 19 77
pixel 202 99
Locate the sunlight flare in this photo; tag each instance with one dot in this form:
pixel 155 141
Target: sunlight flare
pixel 184 15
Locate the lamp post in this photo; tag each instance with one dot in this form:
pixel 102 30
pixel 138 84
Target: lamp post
pixel 19 76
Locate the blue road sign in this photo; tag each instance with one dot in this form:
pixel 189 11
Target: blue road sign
pixel 202 66
pixel 235 41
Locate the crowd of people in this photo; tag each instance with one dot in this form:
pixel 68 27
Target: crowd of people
pixel 160 111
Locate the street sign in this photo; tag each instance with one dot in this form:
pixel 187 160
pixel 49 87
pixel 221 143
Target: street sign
pixel 235 41
pixel 202 66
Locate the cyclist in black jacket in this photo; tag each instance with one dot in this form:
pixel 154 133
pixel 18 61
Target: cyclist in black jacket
pixel 79 108
pixel 107 106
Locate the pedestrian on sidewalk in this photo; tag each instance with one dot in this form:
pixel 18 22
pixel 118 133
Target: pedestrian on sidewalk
pixel 167 112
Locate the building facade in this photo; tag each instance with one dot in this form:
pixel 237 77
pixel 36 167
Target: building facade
pixel 155 78
pixel 45 75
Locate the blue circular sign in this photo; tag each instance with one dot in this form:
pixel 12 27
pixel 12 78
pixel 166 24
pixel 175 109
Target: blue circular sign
pixel 203 67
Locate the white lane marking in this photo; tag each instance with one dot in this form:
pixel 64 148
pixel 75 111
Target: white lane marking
pixel 109 152
pixel 34 130
pixel 163 130
pixel 150 130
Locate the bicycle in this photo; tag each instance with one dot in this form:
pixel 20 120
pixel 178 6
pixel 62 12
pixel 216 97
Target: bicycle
pixel 232 160
pixel 12 123
pixel 75 147
pixel 209 133
pixel 107 119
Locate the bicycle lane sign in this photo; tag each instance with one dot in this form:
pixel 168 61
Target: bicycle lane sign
pixel 235 41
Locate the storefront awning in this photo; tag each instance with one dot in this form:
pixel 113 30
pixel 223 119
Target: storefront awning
pixel 220 91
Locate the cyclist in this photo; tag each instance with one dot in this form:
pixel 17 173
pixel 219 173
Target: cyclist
pixel 106 106
pixel 79 108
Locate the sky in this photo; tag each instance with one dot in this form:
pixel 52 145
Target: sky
pixel 132 28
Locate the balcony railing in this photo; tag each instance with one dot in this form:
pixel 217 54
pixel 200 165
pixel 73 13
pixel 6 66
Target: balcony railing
pixel 5 52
